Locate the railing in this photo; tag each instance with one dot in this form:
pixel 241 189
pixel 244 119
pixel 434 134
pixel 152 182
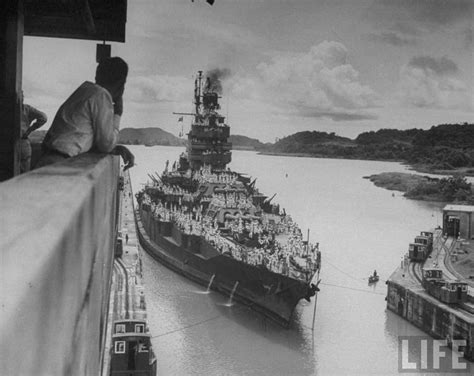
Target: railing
pixel 219 132
pixel 57 234
pixel 205 145
pixel 224 157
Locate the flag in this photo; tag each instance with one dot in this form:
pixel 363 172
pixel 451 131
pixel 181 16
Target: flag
pixel 180 119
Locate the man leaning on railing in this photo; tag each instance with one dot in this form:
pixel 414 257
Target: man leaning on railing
pixel 89 119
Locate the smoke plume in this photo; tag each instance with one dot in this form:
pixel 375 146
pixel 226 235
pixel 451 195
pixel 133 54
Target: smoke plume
pixel 214 77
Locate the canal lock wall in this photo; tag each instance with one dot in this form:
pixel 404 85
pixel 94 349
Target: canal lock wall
pixel 428 314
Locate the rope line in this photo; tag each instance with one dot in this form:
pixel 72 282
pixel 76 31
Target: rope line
pixel 351 276
pixel 219 316
pixel 187 326
pixel 353 288
pixel 343 272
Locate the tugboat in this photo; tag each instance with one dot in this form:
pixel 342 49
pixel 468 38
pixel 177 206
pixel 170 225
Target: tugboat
pixel 213 226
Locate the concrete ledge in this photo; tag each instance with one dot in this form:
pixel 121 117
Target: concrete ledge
pixel 57 233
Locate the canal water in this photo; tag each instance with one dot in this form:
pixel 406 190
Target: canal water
pixel 359 227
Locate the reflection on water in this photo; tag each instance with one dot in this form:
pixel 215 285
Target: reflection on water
pixel 201 335
pixel 360 228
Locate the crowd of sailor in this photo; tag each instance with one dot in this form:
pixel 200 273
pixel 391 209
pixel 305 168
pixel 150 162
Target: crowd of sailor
pixel 294 257
pixel 232 200
pixel 205 175
pixel 181 195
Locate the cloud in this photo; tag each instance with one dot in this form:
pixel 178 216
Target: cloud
pixel 392 38
pixel 432 83
pixel 36 86
pixel 440 66
pixel 430 13
pixel 437 12
pixel 318 83
pixel 336 116
pixel 468 36
pixel 404 27
pixel 158 88
pixel 414 17
pixel 45 94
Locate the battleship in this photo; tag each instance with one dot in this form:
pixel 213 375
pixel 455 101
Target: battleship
pixel 212 225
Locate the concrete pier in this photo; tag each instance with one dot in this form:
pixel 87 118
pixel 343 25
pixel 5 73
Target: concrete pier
pixel 127 298
pixel 407 297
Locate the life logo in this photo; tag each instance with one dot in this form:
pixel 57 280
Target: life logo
pixel 425 354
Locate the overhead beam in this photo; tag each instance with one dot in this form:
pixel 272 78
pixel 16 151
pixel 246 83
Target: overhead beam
pixel 67 27
pixel 86 16
pixel 80 19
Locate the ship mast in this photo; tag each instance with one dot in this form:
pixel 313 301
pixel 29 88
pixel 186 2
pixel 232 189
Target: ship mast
pixel 197 93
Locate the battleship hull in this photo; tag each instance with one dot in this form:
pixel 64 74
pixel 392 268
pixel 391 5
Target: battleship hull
pixel 273 295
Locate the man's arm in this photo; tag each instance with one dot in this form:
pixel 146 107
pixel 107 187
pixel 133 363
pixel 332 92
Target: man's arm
pixel 126 154
pixel 39 119
pixel 107 122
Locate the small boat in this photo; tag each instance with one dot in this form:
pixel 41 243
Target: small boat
pixel 373 279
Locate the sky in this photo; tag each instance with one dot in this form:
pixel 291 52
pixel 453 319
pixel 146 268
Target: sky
pixel 343 66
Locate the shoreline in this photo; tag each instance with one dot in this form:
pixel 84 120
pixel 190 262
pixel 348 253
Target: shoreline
pixel 420 187
pixel 404 182
pixel 309 155
pixel 424 169
pixel 466 171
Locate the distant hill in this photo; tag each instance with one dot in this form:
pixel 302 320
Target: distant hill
pixel 133 136
pixel 441 148
pixel 312 143
pixel 149 137
pixel 245 143
pixel 388 135
pixel 157 136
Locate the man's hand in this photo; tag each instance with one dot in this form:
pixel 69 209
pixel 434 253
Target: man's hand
pixel 127 156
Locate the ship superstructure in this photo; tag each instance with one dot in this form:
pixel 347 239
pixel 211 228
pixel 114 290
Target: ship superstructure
pixel 208 138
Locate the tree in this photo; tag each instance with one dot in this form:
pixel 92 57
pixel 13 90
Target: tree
pixel 455 188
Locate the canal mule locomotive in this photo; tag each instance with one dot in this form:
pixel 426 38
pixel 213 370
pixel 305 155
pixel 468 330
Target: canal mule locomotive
pixel 446 291
pixel 422 246
pixel 131 350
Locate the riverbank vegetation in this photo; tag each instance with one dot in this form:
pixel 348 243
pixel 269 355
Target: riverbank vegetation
pixel 441 149
pixel 454 189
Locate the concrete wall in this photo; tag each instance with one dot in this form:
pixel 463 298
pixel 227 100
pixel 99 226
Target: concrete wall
pixel 430 316
pixel 57 232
